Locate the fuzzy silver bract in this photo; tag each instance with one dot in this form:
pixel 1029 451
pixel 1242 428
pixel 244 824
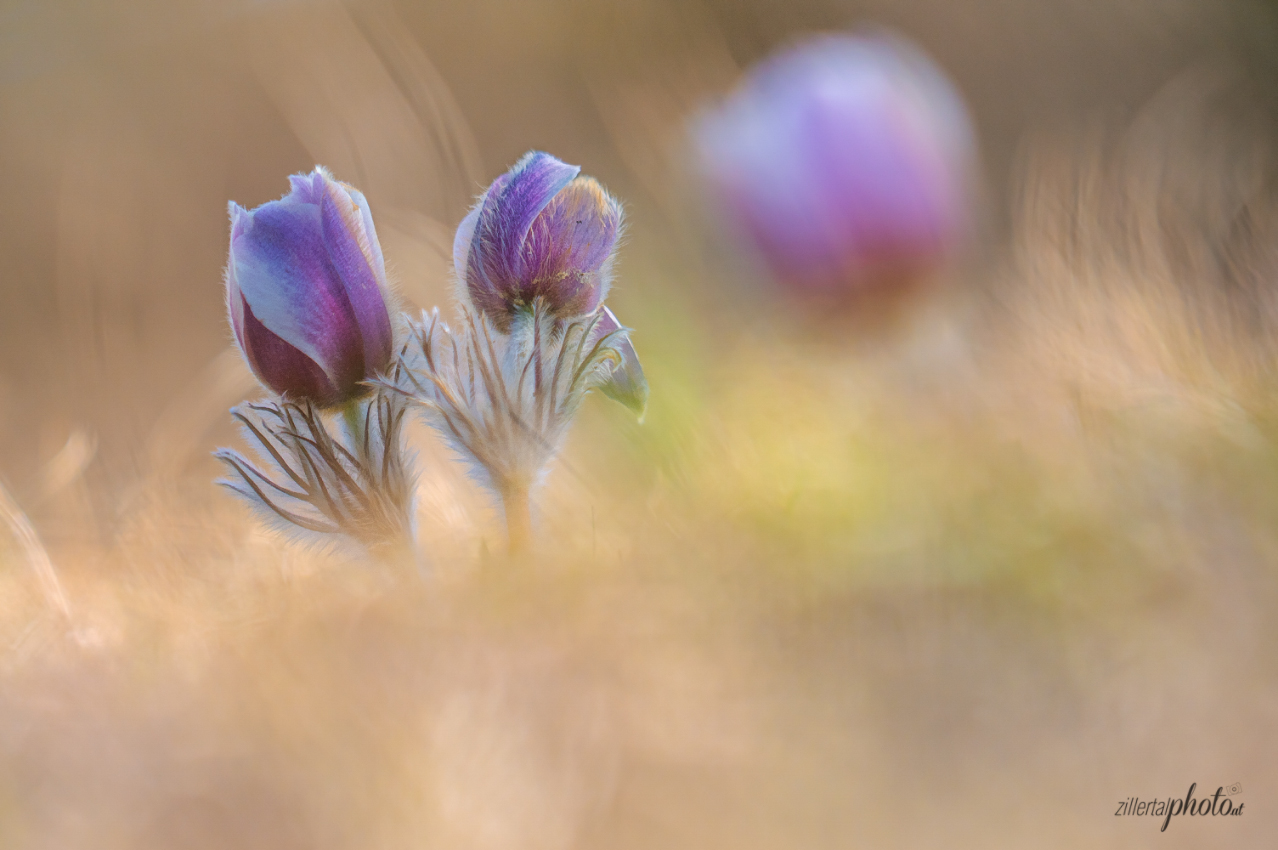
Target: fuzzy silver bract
pixel 505 401
pixel 304 478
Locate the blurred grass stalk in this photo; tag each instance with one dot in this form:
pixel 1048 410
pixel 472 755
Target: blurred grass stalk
pixel 33 551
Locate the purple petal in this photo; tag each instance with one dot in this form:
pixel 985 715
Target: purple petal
pixel 241 219
pixel 281 366
pixel 355 253
pixel 465 235
pixel 569 243
pixel 627 384
pixel 235 306
pixel 306 188
pixel 496 261
pixel 841 156
pixel 893 196
pixel 282 268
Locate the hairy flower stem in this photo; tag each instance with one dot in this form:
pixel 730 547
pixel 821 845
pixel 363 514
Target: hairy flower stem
pixel 514 497
pixel 355 415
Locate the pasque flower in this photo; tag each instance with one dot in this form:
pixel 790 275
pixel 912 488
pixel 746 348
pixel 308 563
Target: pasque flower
pixel 540 232
pixel 306 291
pixel 542 238
pixel 534 259
pixel 845 160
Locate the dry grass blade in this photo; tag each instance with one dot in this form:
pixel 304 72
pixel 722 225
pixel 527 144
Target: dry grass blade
pixel 34 552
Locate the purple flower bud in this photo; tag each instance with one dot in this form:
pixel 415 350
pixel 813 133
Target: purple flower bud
pixel 306 291
pixel 539 232
pixel 845 160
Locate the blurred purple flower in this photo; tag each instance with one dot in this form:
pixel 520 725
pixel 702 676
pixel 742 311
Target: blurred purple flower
pixel 541 231
pixel 845 160
pixel 306 291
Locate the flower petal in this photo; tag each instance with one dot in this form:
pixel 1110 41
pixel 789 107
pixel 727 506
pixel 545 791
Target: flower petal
pixel 461 241
pixel 841 158
pixel 496 260
pixel 306 188
pixel 282 268
pixel 569 243
pixel 355 253
pixel 240 219
pixel 627 384
pixel 281 366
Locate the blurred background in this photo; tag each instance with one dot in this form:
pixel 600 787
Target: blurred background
pixel 968 571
